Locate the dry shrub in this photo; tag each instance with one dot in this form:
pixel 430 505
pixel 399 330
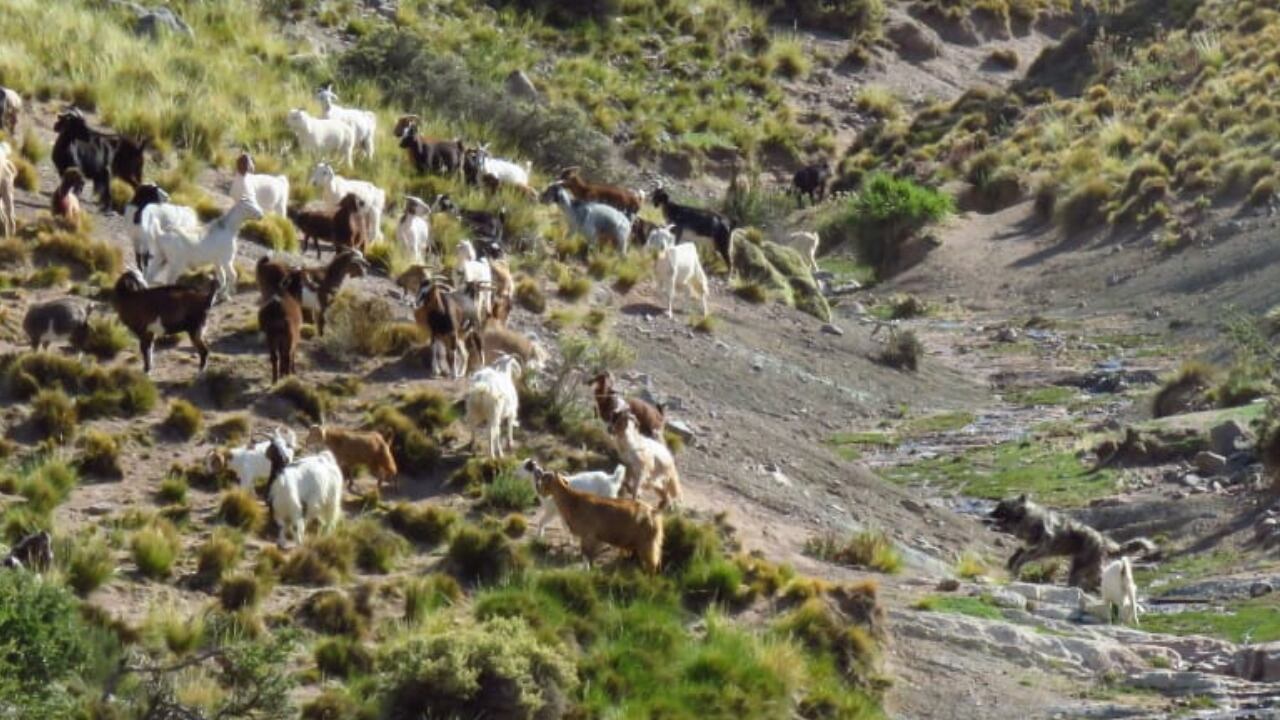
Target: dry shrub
pixel 903 351
pixel 242 509
pixel 421 523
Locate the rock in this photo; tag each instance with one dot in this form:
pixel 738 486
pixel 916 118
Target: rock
pixel 1229 437
pixel 832 329
pixel 1209 463
pixel 912 506
pixel 150 22
pixel 780 478
pixel 913 42
pixel 519 86
pixel 948 585
pixel 1174 682
pixel 682 429
pixel 1260 588
pixel 845 288
pixel 1259 663
pixel 1008 599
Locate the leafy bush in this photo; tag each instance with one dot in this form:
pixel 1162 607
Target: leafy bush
pixel 510 491
pixel 241 509
pixel 155 549
pixel 89 564
pixel 54 416
pixel 484 556
pixel 425 524
pixel 882 215
pixel 46 640
pixel 184 419
pixel 99 455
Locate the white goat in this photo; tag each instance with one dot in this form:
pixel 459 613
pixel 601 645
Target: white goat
pixel 180 250
pixel 478 274
pixel 1118 589
pixel 647 461
pixel 8 174
pixel 414 231
pixel 309 489
pixel 362 122
pixel 806 243
pixel 596 482
pixel 271 191
pixel 155 219
pixel 250 463
pixel 320 135
pixel 661 238
pixel 336 187
pixel 505 171
pixel 493 404
pixel 678 266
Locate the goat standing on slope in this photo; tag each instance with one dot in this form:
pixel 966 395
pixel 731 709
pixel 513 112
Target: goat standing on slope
pixel 335 187
pixel 8 176
pixel 593 482
pixel 707 223
pixel 628 525
pixel 150 312
pixel 647 461
pixel 363 123
pixel 596 222
pixel 678 266
pixel 309 489
pixel 494 405
pixel 179 250
pixel 414 231
pixel 280 320
pixel 249 463
pixel 318 136
pixel 271 191
pixel 150 215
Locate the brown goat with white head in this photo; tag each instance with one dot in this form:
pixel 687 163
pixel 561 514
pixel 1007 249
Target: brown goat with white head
pixel 628 525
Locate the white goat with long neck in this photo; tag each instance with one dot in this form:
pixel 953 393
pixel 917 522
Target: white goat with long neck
pixel 414 231
pixel 180 250
pixel 271 191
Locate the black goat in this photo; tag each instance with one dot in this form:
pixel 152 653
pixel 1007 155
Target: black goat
pixel 98 156
pixel 482 223
pixel 430 155
pixel 811 180
pixel 33 552
pixel 707 223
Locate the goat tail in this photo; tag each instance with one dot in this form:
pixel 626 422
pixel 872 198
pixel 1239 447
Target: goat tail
pixel 1141 547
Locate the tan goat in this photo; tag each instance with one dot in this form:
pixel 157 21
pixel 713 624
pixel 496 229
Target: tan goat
pixel 497 340
pixel 629 525
pixel 355 449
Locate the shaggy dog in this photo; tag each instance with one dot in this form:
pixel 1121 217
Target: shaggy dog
pixel 1048 534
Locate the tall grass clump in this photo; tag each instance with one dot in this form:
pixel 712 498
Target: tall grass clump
pixel 870 549
pixel 155 549
pixel 89 563
pixel 884 213
pixel 99 455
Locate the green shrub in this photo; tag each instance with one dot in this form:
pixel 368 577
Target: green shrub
pixel 332 612
pixel 311 403
pixel 89 564
pixel 45 482
pixel 851 646
pixel 870 549
pixel 881 216
pixel 184 419
pixel 572 285
pixel 106 338
pixel 272 231
pixel 425 524
pixel 902 352
pixel 48 642
pixel 54 416
pixel 155 549
pixel 218 555
pixel 686 543
pixel 510 491
pixel 173 490
pixel 241 509
pixel 484 556
pixel 82 255
pixel 342 657
pixel 99 455
pixel 223 386
pixel 528 295
pixel 319 561
pixel 240 591
pixel 426 594
pixel 376 547
pixel 411 447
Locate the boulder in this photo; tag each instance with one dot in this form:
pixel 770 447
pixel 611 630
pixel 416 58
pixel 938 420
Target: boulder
pixel 1049 594
pixel 1229 437
pixel 1260 588
pixel 1008 599
pixel 1259 663
pixel 1209 463
pixel 913 42
pixel 948 585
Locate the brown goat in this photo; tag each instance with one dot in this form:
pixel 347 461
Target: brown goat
pixel 354 449
pixel 619 198
pixel 280 319
pixel 651 418
pixel 315 225
pixel 66 202
pixel 349 224
pixel 629 525
pixel 443 312
pixel 319 285
pixel 165 310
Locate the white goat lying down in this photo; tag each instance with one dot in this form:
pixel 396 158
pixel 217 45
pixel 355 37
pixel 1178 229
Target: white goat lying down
pixel 336 187
pixel 180 250
pixel 250 463
pixel 493 404
pixel 677 267
pixel 302 491
pixel 363 123
pixel 319 136
pixel 596 482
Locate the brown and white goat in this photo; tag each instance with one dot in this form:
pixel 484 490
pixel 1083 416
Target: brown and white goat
pixel 150 312
pixel 652 418
pixel 66 201
pixel 498 340
pixel 355 449
pixel 444 312
pixel 629 525
pixel 319 285
pixel 280 320
pixel 616 197
pixel 647 460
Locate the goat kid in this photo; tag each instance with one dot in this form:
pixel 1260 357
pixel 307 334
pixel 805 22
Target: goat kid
pixel 336 187
pixel 271 191
pixel 65 204
pixel 249 463
pixel 413 234
pixel 354 450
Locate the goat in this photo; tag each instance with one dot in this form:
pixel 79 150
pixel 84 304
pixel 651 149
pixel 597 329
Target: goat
pixel 1119 590
pixel 678 266
pixel 65 204
pixel 430 155
pixel 98 156
pixel 350 225
pixel 33 552
pixel 647 460
pixel 318 285
pixel 477 163
pixel 707 223
pixel 280 320
pixel 354 449
pixel 593 482
pixel 64 318
pixel 149 312
pixel 497 340
pixel 660 238
pixel 8 178
pixel 336 187
pixel 652 418
pixel 618 198
pixel 806 243
pixel 249 463
pixel 309 489
pixel 314 225
pixel 481 222
pixel 493 404
pixel 363 123
pixel 595 221
pixel 150 215
pixel 179 250
pixel 476 277
pixel 318 135
pixel 811 180
pixel 271 191
pixel 449 316
pixel 414 231
pixel 628 525
pixel 10 107
pixel 641 229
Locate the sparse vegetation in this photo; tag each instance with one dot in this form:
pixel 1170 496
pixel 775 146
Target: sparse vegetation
pixel 870 549
pixel 240 509
pixel 155 549
pixel 99 455
pixel 426 524
pixel 184 419
pixel 903 351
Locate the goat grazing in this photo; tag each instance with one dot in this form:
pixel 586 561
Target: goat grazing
pixel 354 450
pixel 150 312
pixel 593 482
pixel 652 419
pixel 1119 590
pixel 8 178
pixel 628 525
pixel 811 180
pixel 336 187
pixel 61 319
pixel 493 404
pixel 413 234
pixel 249 463
pixel 179 250
pixel 98 156
pixel 363 124
pixel 318 136
pixel 280 320
pixel 707 223
pixel 594 221
pixel 497 340
pixel 309 489
pixel 678 266
pixel 430 155
pixel 450 317
pixel 33 552
pixel 615 197
pixel 10 108
pixel 150 215
pixel 647 460
pixel 65 204
pixel 314 225
pixel 271 191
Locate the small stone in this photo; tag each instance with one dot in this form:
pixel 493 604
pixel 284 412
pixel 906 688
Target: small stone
pixel 1259 589
pixel 682 429
pixel 832 329
pixel 948 585
pixel 1229 437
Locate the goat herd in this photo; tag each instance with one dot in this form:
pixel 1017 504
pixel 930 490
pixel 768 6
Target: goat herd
pixel 467 326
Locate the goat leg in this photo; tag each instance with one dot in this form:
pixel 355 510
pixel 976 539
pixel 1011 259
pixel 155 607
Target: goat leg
pixel 146 343
pixel 198 341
